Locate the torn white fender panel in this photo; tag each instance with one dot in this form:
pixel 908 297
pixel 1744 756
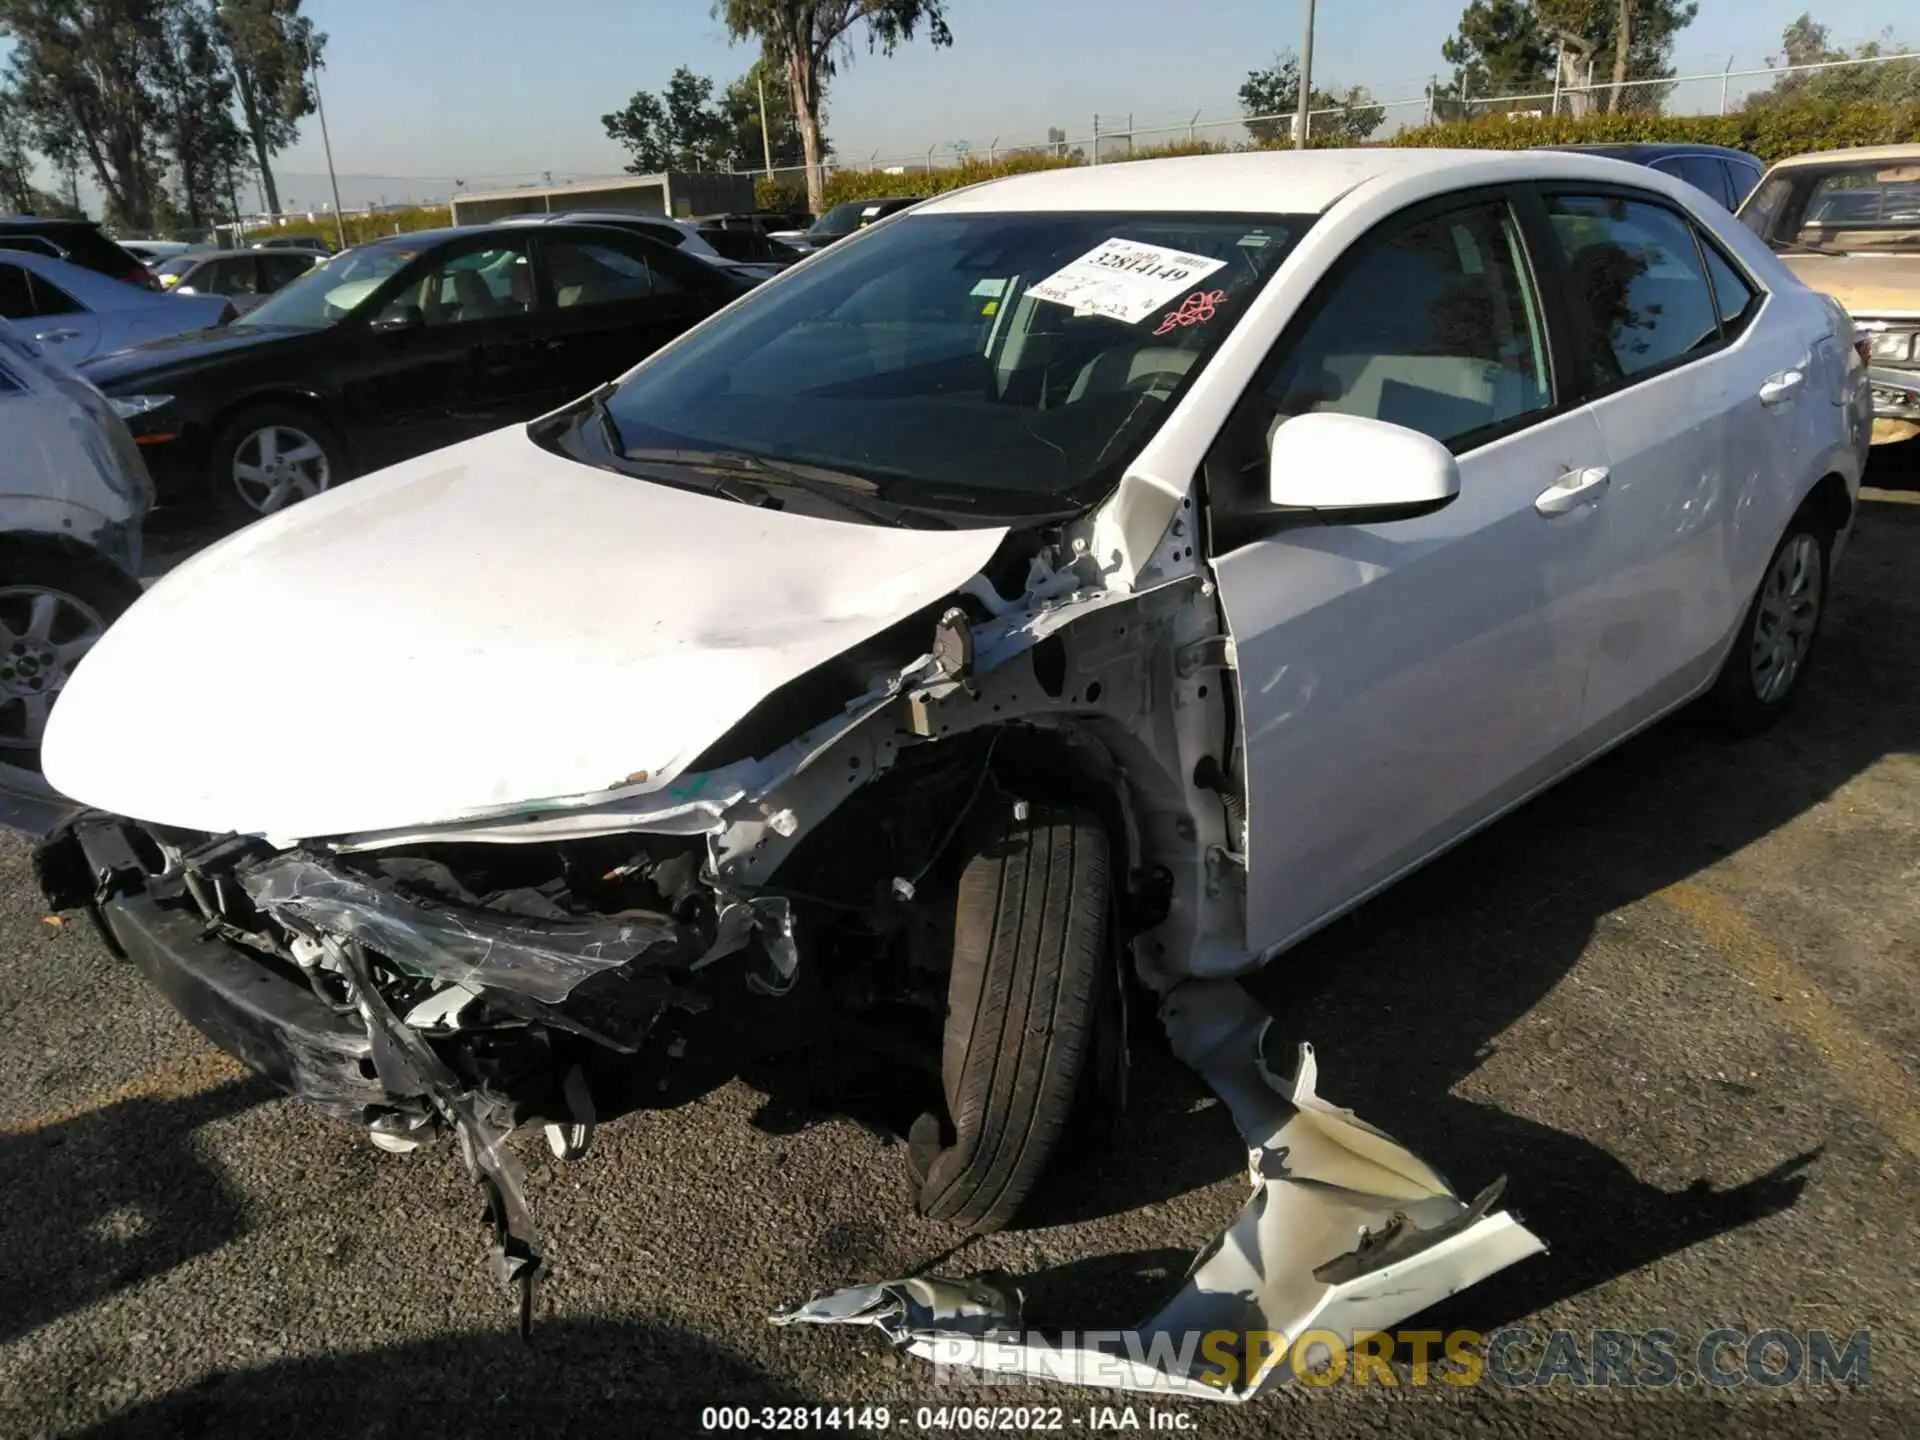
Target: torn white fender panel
pixel 1346 1231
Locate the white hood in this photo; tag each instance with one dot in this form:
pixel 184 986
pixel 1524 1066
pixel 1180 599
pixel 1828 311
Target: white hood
pixel 485 626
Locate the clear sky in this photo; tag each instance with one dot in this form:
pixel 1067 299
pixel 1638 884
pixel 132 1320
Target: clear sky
pixel 495 92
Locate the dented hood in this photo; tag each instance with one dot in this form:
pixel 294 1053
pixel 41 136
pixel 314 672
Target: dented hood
pixel 483 627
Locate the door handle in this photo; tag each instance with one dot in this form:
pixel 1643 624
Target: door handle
pixel 54 337
pixel 1572 490
pixel 1782 387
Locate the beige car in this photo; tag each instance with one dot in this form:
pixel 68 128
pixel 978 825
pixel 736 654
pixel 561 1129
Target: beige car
pixel 1848 223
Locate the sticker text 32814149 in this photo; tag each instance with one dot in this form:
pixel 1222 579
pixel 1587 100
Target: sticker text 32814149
pixel 1125 280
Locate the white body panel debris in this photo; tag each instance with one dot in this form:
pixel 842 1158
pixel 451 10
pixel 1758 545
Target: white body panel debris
pixel 1346 1231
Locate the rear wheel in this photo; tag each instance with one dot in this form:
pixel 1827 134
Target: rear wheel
pixel 1771 654
pixel 273 456
pixel 1032 929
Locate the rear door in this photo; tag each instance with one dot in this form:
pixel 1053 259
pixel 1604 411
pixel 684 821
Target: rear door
pixel 611 299
pixel 1401 683
pixel 1684 399
pixel 47 313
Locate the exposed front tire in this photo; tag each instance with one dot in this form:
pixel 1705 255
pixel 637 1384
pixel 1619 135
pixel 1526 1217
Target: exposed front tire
pixel 271 456
pixel 1032 929
pixel 1768 663
pixel 53 607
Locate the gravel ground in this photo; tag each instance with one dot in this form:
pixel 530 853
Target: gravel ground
pixel 1673 1002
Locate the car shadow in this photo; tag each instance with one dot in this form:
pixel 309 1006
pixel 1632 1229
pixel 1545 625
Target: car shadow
pixel 570 1377
pixel 1407 997
pixel 101 1201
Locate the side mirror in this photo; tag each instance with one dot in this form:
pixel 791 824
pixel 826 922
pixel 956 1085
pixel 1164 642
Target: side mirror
pixel 1350 468
pixel 400 317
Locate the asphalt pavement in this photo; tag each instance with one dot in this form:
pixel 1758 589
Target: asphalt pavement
pixel 1673 1002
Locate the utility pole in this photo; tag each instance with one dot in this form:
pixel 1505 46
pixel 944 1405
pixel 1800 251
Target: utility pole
pixel 339 220
pixel 1306 82
pixel 1433 91
pixel 1557 68
pixel 766 136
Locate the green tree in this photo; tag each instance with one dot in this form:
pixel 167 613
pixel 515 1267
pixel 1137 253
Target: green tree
pixel 678 129
pixel 270 48
pixel 1511 47
pixel 17 192
pixel 1805 42
pixel 740 115
pixel 79 70
pixel 1270 99
pixel 811 39
pixel 196 92
pixel 1500 48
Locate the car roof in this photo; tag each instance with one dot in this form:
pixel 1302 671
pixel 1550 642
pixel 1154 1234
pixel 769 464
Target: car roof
pixel 1648 149
pixel 1290 182
pixel 1865 153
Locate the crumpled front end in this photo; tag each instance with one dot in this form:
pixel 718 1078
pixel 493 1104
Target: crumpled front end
pixel 465 990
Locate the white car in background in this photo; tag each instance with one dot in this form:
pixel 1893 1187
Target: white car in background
pixel 77 313
pixel 1095 576
pixel 73 493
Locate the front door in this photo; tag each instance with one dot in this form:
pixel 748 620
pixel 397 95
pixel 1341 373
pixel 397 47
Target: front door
pixel 450 351
pixel 1403 682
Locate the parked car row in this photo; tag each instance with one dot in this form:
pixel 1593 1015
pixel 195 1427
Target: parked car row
pixel 401 346
pixel 1100 572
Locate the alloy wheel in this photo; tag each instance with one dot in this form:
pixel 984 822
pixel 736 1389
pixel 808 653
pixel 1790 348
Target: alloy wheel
pixel 278 465
pixel 1788 616
pixel 43 634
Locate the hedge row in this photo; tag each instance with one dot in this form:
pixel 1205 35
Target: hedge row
pixel 1771 132
pixel 361 228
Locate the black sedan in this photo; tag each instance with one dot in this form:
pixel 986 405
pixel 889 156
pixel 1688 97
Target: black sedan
pixel 396 348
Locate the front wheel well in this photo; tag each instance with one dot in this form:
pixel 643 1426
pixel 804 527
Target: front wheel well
pixel 1830 497
pixel 305 400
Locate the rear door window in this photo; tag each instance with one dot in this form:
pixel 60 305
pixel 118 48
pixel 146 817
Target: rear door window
pixel 1635 282
pixel 1704 172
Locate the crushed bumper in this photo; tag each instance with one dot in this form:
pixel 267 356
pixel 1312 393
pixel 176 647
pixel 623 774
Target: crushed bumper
pixel 273 1024
pixel 388 996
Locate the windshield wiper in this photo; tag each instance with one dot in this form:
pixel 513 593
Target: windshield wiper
pixel 1808 247
pixel 727 467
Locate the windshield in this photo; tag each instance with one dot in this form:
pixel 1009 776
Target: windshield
pixel 178 266
pixel 845 219
pixel 980 365
pixel 324 295
pixel 1840 208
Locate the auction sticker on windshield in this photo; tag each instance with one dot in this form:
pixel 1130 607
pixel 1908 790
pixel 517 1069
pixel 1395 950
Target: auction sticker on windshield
pixel 1124 279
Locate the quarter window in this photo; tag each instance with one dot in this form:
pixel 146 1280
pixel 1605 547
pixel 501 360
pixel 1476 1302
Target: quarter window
pixel 1733 297
pixel 1634 280
pixel 1437 328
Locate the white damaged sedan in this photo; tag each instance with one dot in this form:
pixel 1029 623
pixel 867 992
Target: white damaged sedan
pixel 1084 583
